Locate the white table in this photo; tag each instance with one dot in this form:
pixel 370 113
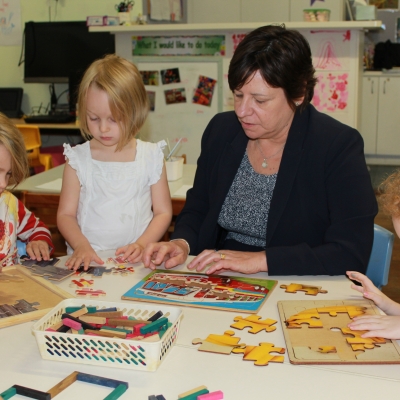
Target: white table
pixel 186 368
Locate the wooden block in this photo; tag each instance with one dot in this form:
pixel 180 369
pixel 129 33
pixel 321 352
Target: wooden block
pixel 100 333
pixel 108 314
pixel 99 380
pixel 7 394
pixel 154 326
pixel 57 325
pixel 85 325
pixel 79 312
pixel 93 320
pixel 189 392
pixel 126 322
pixel 194 396
pixel 218 395
pixel 117 392
pixel 119 334
pixel 72 324
pixel 156 316
pixel 32 393
pixel 69 380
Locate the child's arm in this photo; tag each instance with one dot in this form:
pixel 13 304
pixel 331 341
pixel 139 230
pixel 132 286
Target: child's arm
pixel 68 225
pixel 387 326
pixel 35 233
pixel 162 215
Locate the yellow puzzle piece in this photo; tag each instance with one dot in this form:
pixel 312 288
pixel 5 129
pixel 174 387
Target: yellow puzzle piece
pixel 359 343
pixel 308 289
pixel 222 344
pixel 261 354
pixel 255 323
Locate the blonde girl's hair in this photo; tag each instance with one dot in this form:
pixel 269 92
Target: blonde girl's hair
pixel 128 100
pixel 12 139
pixel 389 194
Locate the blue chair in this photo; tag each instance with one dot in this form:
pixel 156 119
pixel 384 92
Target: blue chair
pixel 381 255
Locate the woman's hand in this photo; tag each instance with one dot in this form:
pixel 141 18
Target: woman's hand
pixel 229 260
pixel 38 250
pixel 172 253
pixel 83 254
pixel 131 252
pixel 384 326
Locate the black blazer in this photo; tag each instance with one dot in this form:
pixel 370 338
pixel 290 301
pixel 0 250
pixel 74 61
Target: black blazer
pixel 323 207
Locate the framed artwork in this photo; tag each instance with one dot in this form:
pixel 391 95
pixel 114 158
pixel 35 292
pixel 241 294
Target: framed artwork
pixel 204 291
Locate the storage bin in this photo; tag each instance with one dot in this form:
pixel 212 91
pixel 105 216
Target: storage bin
pixel 104 351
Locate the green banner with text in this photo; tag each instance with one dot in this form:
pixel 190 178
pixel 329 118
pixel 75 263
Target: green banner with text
pixel 178 46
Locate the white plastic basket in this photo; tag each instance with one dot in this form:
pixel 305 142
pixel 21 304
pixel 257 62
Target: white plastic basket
pixel 110 352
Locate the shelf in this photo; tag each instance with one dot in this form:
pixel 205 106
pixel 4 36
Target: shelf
pixel 233 27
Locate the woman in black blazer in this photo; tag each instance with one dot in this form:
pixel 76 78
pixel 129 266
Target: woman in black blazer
pixel 279 187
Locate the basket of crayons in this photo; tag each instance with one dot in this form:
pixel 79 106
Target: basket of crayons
pixel 122 335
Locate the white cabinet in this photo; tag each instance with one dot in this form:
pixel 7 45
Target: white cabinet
pixel 369 113
pixel 380 116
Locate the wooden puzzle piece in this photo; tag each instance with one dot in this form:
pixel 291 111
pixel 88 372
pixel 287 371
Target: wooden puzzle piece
pixel 255 323
pixel 123 270
pixel 358 343
pixel 222 344
pixel 327 349
pixel 90 292
pixel 261 354
pixel 81 283
pixel 312 315
pixel 308 289
pixel 95 272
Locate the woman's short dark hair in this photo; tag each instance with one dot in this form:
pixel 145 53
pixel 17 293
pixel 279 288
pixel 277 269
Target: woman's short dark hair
pixel 283 58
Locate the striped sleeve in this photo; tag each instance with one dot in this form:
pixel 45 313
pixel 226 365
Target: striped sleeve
pixel 31 228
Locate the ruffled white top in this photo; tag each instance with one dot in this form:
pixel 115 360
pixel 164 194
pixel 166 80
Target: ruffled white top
pixel 115 200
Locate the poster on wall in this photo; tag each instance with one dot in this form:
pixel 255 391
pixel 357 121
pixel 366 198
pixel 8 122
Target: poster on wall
pixel 10 23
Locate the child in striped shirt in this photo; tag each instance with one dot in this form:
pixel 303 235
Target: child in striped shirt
pixel 17 222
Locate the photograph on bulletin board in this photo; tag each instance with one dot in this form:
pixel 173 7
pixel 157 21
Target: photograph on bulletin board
pixel 170 76
pixel 174 96
pixel 150 78
pixel 152 100
pixel 204 93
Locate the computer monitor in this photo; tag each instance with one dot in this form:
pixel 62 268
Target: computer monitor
pixel 60 52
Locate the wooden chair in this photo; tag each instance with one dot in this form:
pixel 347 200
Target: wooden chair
pixel 45 207
pixel 33 142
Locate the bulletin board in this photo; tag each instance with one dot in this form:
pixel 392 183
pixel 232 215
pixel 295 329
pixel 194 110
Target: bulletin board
pixel 177 109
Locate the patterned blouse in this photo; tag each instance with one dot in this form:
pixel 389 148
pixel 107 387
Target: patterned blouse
pixel 244 213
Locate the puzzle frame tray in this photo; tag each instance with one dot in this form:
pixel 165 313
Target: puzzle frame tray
pixel 18 298
pixel 316 332
pixel 217 292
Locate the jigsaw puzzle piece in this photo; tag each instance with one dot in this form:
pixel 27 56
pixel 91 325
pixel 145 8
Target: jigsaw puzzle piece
pixel 358 343
pixel 261 354
pixel 255 323
pixel 308 289
pixel 327 349
pixel 222 344
pixel 352 311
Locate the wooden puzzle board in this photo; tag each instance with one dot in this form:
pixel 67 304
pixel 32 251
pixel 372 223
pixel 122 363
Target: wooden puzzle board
pixel 303 343
pixel 32 289
pixel 218 292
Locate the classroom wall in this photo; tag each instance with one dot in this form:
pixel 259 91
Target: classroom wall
pixel 42 11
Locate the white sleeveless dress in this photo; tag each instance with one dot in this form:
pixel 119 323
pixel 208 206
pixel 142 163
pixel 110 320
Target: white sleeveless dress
pixel 115 199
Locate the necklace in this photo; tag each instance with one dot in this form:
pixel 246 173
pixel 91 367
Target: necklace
pixel 264 163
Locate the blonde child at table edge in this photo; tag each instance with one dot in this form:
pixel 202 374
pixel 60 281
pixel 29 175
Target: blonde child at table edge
pixel 115 192
pixel 17 222
pixel 386 326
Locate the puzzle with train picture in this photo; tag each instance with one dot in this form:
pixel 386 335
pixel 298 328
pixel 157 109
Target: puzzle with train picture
pixel 316 332
pixel 201 290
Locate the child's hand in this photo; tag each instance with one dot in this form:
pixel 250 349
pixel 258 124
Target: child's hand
pixel 38 250
pixel 83 254
pixel 384 326
pixel 131 252
pixel 371 292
